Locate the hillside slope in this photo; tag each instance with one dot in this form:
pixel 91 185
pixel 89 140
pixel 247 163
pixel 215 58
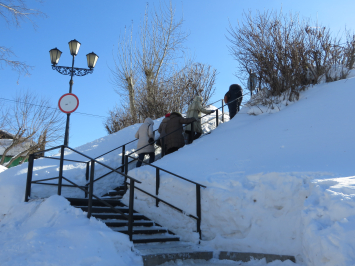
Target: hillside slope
pixel 276 183
pixel 314 134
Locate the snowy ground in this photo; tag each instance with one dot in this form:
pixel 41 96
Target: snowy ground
pixel 51 232
pixel 277 182
pixel 216 262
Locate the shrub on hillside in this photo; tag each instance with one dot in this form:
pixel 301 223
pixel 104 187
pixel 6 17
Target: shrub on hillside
pixel 288 54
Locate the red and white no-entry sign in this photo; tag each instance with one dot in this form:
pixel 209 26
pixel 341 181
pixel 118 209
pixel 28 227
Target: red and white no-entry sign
pixel 68 103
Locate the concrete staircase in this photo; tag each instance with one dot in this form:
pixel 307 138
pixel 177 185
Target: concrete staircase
pixel 144 229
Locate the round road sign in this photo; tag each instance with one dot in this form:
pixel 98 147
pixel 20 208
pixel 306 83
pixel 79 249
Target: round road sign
pixel 68 103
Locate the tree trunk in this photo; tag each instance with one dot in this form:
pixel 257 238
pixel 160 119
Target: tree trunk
pixel 132 105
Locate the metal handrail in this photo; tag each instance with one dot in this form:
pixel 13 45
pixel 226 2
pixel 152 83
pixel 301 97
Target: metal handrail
pixel 54 158
pixel 170 205
pixel 45 179
pixel 157 199
pixel 87 189
pixel 117 148
pixel 92 159
pixel 178 129
pixel 162 138
pixel 124 168
pixel 57 147
pixel 137 139
pixel 124 145
pixel 156 167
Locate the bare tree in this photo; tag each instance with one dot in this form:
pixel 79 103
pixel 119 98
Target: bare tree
pixel 118 119
pixel 21 68
pixel 14 12
pixel 196 79
pixel 32 125
pixel 349 50
pixel 124 74
pixel 151 75
pixel 285 53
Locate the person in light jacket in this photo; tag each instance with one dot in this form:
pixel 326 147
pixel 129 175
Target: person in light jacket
pixel 143 134
pixel 175 140
pixel 195 109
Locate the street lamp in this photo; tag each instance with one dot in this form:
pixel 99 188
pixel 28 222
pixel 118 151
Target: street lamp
pixel 55 54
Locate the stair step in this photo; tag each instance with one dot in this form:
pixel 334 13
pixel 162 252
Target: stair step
pixel 115 193
pixel 120 188
pixel 154 238
pixel 120 223
pixel 141 230
pixel 95 202
pixel 119 216
pixel 101 209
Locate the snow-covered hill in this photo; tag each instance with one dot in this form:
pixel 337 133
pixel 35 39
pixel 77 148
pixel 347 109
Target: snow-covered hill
pixel 276 183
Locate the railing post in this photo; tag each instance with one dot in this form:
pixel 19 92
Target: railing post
pixel 222 111
pixel 157 185
pixel 131 202
pixel 216 117
pixel 87 177
pixel 126 164
pixel 123 155
pixel 198 208
pixel 29 177
pixel 91 187
pixel 125 170
pixel 162 142
pixel 61 163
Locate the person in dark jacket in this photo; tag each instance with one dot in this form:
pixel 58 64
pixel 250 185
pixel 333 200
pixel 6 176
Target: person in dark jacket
pixel 162 131
pixel 175 140
pixel 234 98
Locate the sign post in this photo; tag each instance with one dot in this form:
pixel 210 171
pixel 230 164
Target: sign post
pixel 68 103
pixel 252 80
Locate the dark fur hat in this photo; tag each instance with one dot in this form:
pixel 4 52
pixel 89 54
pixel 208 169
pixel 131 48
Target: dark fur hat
pixel 235 87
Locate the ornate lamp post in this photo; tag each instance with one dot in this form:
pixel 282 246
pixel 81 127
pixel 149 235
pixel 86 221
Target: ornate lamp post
pixel 55 54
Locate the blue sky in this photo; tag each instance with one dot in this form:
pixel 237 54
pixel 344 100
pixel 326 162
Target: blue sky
pixel 98 25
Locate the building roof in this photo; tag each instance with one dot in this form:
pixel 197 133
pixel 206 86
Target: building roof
pixel 5 135
pixel 4 143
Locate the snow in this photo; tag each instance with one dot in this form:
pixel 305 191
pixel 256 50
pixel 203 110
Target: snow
pixel 216 262
pixel 51 232
pixel 279 181
pixel 2 168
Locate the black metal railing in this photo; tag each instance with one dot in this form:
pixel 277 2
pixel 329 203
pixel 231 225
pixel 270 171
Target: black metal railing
pixel 158 169
pixel 123 147
pixel 90 176
pixel 157 187
pixel 87 189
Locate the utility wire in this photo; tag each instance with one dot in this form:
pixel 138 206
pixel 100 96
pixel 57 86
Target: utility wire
pixel 49 107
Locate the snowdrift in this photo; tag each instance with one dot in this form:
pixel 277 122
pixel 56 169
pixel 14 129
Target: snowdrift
pixel 51 232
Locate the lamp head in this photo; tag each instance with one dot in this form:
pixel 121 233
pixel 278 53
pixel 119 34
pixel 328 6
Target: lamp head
pixel 74 46
pixel 92 59
pixel 55 56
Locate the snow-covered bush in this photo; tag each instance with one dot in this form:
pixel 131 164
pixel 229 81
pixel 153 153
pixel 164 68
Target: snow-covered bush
pixel 287 54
